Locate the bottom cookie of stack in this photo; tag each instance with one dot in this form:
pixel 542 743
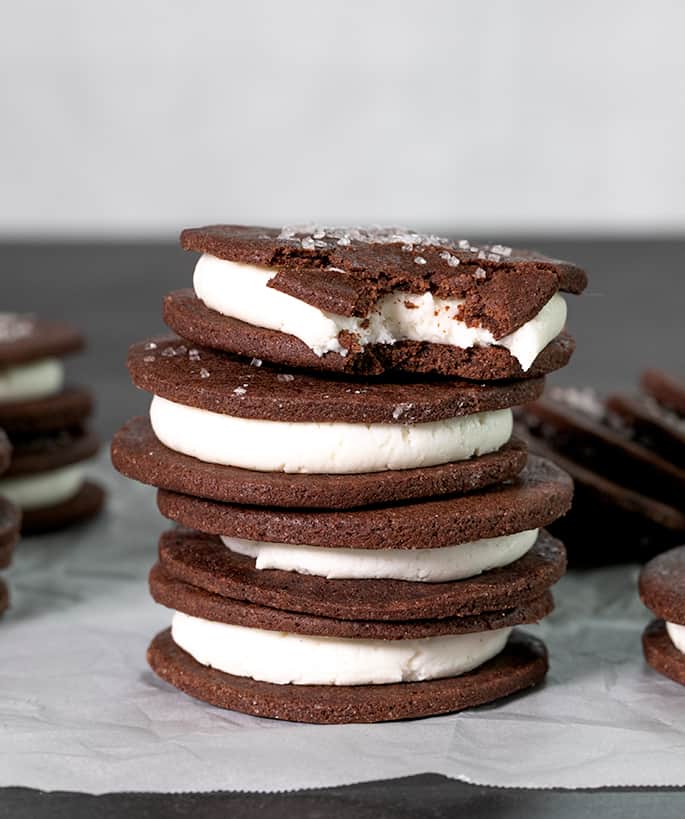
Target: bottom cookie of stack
pixel 417 649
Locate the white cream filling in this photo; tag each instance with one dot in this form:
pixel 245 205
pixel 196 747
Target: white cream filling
pixel 37 379
pixel 328 448
pixel 422 565
pixel 240 291
pixel 43 488
pixel 677 634
pixel 283 658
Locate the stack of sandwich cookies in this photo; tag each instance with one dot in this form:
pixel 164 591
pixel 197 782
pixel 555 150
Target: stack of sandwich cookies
pixel 351 548
pixel 10 520
pixel 662 590
pixel 626 457
pixel 45 421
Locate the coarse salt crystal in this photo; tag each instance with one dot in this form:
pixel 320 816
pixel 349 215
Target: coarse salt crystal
pixel 239 391
pixel 285 377
pixel 204 373
pixel 419 260
pixel 256 362
pixel 150 345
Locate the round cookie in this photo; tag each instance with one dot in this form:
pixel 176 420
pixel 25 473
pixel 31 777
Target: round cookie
pixel 65 409
pixel 661 654
pixel 609 523
pixel 223 383
pixel 54 450
pixel 83 506
pixel 203 561
pixel 5 451
pixel 536 497
pixel 522 664
pixel 668 390
pixel 138 454
pixel 25 338
pixel 180 596
pixel 186 315
pixel 10 522
pixel 577 425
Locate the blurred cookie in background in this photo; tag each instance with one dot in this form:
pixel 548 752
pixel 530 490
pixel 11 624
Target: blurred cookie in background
pixel 624 457
pixel 46 422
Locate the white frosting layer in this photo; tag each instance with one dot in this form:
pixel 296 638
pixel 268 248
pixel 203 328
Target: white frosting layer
pixel 328 448
pixel 34 380
pixel 43 488
pixel 240 290
pixel 677 635
pixel 424 565
pixel 280 657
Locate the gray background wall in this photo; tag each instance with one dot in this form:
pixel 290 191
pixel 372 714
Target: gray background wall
pixel 137 117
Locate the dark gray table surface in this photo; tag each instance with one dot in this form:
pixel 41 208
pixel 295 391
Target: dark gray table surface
pixel 630 317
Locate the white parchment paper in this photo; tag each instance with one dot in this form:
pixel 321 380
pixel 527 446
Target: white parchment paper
pixel 79 709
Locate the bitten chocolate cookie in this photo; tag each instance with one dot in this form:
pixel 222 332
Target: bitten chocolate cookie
pixel 222 383
pixel 662 590
pixel 37 415
pixel 192 319
pixel 83 506
pixel 26 338
pixel 372 299
pixel 138 454
pixel 204 562
pixel 539 495
pixel 522 664
pixel 10 521
pixel 5 451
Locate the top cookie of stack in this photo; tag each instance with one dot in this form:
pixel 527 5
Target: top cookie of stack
pixel 365 536
pixel 370 300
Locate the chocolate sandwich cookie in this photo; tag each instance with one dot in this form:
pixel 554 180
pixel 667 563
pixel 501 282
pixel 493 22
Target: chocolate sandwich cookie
pixel 5 451
pixel 536 497
pixel 227 411
pixel 666 389
pixel 369 300
pixel 204 562
pixel 138 454
pixel 520 665
pixel 662 590
pixel 46 481
pixel 576 424
pixel 609 523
